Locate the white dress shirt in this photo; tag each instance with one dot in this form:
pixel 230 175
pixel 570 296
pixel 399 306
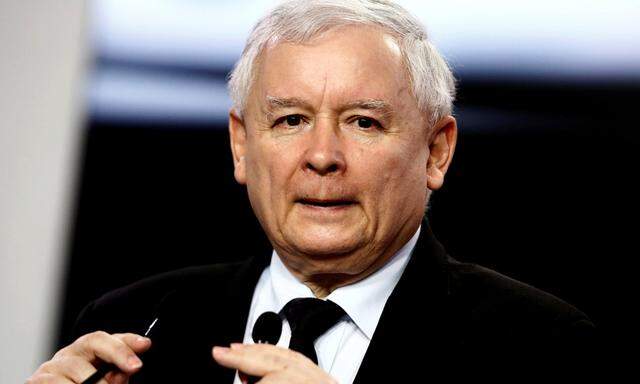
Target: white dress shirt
pixel 341 349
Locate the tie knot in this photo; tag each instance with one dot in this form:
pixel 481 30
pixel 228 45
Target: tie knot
pixel 310 317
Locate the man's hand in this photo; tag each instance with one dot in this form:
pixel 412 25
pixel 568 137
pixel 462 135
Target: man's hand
pixel 272 364
pixel 77 361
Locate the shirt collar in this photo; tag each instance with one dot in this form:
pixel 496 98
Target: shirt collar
pixel 363 301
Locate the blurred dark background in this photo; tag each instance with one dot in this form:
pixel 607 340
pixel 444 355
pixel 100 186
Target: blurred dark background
pixel 542 186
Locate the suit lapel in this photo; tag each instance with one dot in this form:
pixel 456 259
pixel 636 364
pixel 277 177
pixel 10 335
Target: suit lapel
pixel 228 316
pixel 411 331
pixel 210 313
pixel 234 299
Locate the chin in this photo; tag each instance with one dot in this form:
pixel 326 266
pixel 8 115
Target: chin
pixel 326 243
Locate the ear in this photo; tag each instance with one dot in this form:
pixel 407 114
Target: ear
pixel 442 144
pixel 238 138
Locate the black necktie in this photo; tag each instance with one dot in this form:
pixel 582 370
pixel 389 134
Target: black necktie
pixel 309 318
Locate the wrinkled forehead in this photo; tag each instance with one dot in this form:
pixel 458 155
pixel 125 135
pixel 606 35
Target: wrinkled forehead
pixel 342 64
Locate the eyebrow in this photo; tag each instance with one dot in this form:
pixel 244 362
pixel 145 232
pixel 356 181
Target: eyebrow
pixel 377 105
pixel 285 102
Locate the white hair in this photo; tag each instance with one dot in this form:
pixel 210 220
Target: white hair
pixel 300 21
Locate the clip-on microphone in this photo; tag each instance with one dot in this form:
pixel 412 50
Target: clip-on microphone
pixel 267 330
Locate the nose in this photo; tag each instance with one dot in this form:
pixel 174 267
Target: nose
pixel 325 155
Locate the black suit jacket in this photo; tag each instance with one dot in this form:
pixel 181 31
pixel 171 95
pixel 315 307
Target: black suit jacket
pixel 443 318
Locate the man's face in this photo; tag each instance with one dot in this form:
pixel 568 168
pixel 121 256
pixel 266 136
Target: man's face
pixel 334 151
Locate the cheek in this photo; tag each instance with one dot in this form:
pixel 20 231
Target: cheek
pixel 401 177
pixel 258 177
pixel 269 167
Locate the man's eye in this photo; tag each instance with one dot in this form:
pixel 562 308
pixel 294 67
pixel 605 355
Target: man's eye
pixel 289 121
pixel 293 120
pixel 365 122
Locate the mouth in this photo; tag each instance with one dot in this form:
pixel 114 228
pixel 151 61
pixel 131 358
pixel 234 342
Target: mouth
pixel 326 203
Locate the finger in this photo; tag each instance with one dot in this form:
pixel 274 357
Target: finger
pixel 112 377
pixel 281 377
pixel 116 377
pixel 108 348
pixel 257 359
pixel 289 367
pixel 137 343
pixel 48 378
pixel 273 378
pixel 73 367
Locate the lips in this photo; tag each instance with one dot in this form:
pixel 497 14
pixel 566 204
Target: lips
pixel 326 203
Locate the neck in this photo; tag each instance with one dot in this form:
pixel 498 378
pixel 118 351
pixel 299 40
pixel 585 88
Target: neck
pixel 323 283
pixel 319 290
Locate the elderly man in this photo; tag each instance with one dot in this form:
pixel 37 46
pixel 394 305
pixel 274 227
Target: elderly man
pixel 340 130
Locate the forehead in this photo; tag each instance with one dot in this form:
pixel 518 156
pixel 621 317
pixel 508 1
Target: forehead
pixel 347 63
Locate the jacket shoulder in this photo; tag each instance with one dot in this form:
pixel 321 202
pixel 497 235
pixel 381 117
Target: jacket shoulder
pixel 494 301
pixel 131 308
pixel 502 322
